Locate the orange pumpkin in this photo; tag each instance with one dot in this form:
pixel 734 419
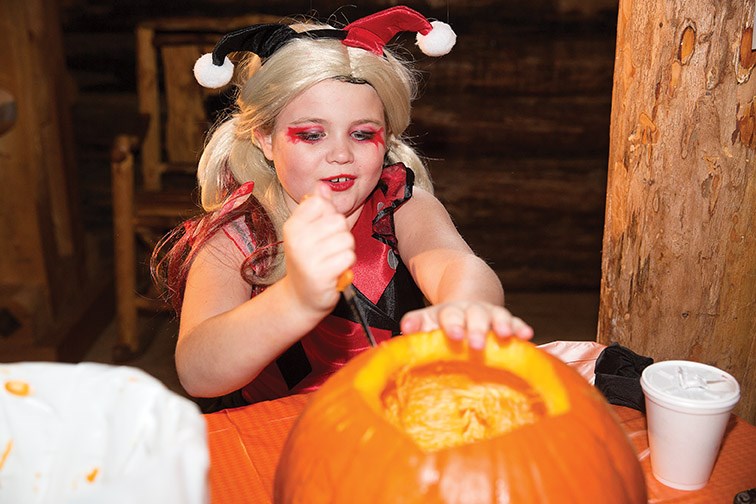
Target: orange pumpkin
pixel 421 419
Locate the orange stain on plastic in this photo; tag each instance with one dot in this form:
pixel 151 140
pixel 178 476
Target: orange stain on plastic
pixel 4 457
pixel 93 475
pixel 17 387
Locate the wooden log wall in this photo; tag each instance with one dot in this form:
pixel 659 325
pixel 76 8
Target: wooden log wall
pixel 514 120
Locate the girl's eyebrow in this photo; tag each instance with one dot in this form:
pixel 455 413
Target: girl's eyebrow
pixel 315 120
pixel 305 120
pixel 374 122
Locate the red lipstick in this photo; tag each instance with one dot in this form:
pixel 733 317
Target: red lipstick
pixel 340 182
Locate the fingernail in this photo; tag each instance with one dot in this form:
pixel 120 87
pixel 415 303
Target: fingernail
pixel 527 333
pixel 455 333
pixel 477 342
pixel 504 330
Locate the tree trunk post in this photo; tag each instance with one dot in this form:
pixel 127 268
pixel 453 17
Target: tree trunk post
pixel 679 248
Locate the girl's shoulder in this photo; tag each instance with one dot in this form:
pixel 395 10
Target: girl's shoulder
pixel 241 236
pixel 236 229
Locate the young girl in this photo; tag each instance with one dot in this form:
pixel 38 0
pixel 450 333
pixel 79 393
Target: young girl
pixel 310 178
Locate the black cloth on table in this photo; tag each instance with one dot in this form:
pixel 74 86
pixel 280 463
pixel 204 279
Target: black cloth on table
pixel 618 372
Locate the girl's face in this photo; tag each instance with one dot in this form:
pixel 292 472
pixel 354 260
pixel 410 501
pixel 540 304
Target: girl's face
pixel 332 133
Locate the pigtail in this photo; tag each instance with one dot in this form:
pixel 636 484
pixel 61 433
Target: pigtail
pixel 213 173
pixel 247 162
pixel 173 255
pixel 228 161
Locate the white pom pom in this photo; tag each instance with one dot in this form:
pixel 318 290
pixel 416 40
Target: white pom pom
pixel 210 75
pixel 439 40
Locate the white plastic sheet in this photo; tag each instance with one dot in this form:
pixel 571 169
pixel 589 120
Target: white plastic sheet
pixel 94 433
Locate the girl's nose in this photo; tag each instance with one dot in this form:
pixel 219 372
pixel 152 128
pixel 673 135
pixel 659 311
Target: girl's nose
pixel 340 151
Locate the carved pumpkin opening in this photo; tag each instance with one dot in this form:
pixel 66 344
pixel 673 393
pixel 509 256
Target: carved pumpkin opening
pixel 421 419
pixel 446 404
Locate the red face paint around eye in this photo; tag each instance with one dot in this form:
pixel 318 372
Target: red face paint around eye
pixel 375 137
pixel 309 134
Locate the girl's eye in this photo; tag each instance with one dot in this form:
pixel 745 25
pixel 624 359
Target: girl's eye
pixel 368 135
pixel 361 135
pixel 309 135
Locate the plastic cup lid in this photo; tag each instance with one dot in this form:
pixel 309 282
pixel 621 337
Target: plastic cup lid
pixel 692 384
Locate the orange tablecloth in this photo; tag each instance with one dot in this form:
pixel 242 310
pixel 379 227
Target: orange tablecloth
pixel 245 444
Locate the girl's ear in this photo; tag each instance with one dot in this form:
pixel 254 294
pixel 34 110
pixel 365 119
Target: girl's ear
pixel 265 141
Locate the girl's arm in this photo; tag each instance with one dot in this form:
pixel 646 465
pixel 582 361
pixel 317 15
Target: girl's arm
pixel 466 295
pixel 226 338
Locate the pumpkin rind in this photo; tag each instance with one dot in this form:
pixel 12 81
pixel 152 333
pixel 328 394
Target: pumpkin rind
pixel 344 449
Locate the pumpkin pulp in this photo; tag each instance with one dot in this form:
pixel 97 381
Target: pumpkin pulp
pixel 446 404
pixel 443 396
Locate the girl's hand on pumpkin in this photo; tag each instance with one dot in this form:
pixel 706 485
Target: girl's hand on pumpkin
pixel 471 320
pixel 318 247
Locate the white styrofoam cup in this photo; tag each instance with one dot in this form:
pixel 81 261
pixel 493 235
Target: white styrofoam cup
pixel 688 405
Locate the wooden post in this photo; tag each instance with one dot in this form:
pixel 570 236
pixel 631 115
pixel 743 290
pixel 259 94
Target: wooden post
pixel 149 103
pixel 46 284
pixel 124 241
pixel 679 251
pixel 35 229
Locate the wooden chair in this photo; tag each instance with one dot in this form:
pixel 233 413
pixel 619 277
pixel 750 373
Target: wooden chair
pixel 154 170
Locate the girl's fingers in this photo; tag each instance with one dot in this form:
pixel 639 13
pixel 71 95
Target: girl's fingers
pixel 424 319
pixel 324 191
pixel 521 329
pixel 316 206
pixel 334 266
pixel 478 324
pixel 411 322
pixel 311 233
pixel 502 323
pixel 312 209
pixel 471 321
pixel 451 318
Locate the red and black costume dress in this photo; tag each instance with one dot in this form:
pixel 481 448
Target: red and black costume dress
pixel 383 285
